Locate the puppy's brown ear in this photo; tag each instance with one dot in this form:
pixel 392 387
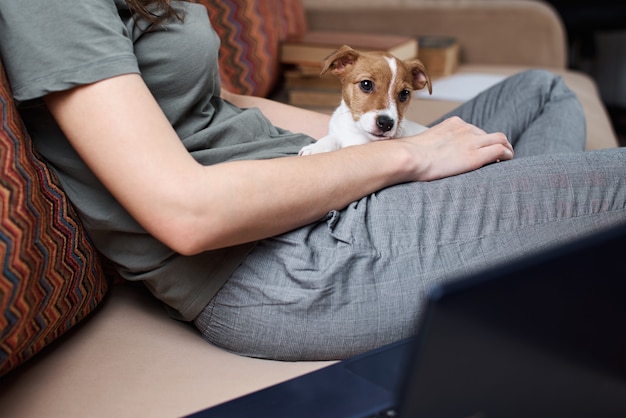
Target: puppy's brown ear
pixel 421 78
pixel 340 61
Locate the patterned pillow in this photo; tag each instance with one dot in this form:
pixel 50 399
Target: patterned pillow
pixel 50 275
pixel 251 32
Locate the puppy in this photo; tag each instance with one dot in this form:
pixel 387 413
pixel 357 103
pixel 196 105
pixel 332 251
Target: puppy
pixel 376 91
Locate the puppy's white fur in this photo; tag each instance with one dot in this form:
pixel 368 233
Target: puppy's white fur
pixel 376 91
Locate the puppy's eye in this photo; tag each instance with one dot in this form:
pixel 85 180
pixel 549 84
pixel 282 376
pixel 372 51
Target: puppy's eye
pixel 404 95
pixel 367 86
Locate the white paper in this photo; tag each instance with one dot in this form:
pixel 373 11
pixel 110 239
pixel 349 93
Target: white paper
pixel 460 87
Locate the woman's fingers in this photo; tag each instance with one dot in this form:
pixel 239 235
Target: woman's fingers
pixel 498 145
pixel 454 147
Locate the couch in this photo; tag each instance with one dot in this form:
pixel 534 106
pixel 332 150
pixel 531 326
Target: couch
pixel 76 341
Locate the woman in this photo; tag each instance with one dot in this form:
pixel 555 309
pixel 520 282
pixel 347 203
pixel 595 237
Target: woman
pixel 199 193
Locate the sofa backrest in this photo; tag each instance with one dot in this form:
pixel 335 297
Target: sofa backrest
pixel 502 32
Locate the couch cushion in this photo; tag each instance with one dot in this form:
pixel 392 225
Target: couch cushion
pixel 51 276
pixel 250 32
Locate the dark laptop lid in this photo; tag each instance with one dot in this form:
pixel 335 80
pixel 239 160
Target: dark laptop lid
pixel 541 337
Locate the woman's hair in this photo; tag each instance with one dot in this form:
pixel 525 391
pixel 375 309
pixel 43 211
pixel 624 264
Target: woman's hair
pixel 155 15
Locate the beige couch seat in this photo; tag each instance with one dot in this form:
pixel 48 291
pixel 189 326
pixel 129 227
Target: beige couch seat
pixel 131 360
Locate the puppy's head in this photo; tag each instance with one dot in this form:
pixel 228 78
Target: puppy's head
pixel 376 87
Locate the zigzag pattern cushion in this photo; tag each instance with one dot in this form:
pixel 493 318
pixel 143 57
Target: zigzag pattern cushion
pixel 51 277
pixel 250 33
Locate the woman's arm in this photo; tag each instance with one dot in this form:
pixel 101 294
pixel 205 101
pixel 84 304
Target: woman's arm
pixel 294 119
pixel 119 130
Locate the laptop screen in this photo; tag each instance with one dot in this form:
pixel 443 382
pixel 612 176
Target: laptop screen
pixel 544 336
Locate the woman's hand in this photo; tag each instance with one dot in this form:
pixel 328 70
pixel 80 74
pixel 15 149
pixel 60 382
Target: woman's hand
pixel 454 147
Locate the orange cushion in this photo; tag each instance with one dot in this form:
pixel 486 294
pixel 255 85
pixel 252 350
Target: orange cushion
pixel 250 34
pixel 51 277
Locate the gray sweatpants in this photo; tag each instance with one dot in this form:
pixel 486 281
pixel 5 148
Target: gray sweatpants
pixel 356 279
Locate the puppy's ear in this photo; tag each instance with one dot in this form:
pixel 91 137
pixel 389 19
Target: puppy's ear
pixel 421 78
pixel 340 61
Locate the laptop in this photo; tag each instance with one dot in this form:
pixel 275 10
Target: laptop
pixel 544 336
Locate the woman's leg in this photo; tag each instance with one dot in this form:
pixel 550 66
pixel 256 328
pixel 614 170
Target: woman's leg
pixel 535 109
pixel 356 280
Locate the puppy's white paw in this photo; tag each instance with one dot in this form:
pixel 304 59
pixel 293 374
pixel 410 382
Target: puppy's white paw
pixel 323 145
pixel 308 150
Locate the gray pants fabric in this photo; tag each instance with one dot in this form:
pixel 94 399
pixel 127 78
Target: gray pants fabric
pixel 356 279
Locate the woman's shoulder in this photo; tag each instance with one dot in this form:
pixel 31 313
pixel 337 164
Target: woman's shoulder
pixel 47 45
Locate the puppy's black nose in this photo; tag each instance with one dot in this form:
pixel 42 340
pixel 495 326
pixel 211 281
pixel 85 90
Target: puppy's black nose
pixel 385 123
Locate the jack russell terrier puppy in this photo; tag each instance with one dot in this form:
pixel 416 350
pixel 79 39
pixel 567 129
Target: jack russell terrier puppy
pixel 376 90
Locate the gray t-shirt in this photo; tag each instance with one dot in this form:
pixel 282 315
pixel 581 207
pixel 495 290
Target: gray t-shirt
pixel 54 45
